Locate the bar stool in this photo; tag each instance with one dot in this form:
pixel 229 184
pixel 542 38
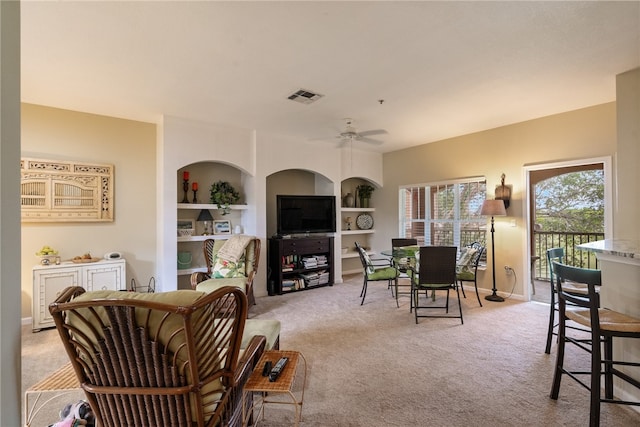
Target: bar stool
pixel 557 254
pixel 604 325
pixel 553 254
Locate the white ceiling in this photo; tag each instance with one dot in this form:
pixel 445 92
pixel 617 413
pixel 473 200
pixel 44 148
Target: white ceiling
pixel 443 69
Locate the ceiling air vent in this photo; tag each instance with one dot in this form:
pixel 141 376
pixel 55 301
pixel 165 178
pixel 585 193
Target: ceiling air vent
pixel 304 96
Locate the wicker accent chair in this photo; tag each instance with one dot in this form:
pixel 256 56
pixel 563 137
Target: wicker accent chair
pixel 159 358
pixel 207 282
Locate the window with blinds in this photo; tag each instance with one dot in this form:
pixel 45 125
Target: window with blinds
pixel 446 213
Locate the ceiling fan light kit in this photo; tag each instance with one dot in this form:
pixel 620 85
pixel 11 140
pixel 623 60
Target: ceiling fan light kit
pixel 350 134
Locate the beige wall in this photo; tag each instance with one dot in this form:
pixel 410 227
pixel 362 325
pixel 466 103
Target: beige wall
pixel 585 133
pixel 52 133
pixel 626 210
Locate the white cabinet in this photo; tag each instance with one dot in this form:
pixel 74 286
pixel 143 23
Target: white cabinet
pixel 50 280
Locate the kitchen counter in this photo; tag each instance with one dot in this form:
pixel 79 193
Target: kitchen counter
pixel 625 251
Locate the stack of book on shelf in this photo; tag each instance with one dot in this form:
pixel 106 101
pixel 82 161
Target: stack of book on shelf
pixel 316 278
pixel 321 260
pixel 289 262
pixel 314 261
pixel 292 284
pixel 309 262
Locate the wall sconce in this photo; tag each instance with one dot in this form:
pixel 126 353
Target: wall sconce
pixel 503 192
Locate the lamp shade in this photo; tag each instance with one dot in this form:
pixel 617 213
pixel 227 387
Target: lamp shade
pixel 493 208
pixel 205 215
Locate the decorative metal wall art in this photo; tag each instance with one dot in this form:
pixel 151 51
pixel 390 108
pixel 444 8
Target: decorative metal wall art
pixel 66 191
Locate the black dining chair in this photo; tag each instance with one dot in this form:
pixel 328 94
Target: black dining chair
pixel 436 271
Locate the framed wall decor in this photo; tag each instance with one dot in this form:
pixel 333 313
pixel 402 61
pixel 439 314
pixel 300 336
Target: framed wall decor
pixel 186 223
pixel 222 227
pixel 186 227
pixel 65 191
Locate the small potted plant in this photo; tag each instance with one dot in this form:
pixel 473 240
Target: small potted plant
pixel 364 194
pixel 223 194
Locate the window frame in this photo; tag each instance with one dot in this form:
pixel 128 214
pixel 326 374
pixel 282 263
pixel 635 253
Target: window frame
pixel 407 223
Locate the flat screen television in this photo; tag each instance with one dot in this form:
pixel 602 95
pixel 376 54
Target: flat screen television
pixel 306 214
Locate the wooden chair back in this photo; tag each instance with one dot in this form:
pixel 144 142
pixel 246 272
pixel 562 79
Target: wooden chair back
pixel 145 359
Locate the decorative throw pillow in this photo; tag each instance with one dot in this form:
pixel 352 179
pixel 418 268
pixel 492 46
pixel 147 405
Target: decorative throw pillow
pixel 223 269
pixel 466 256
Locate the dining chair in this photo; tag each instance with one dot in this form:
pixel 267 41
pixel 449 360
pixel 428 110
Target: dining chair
pixel 467 266
pixel 375 270
pixel 604 325
pixel 403 251
pixel 436 271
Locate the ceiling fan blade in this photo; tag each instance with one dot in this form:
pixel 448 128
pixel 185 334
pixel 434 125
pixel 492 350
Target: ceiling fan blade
pixel 373 132
pixel 370 140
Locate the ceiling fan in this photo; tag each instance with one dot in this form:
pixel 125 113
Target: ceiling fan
pixel 350 134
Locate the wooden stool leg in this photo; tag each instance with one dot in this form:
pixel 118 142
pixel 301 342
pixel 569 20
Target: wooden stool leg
pixel 596 359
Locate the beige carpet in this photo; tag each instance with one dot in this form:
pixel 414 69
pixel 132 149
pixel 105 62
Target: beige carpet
pixel 372 365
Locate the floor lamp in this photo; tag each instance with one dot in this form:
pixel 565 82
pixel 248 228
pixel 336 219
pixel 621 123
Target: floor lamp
pixel 493 208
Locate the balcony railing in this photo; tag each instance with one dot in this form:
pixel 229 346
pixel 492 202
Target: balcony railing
pixel 544 240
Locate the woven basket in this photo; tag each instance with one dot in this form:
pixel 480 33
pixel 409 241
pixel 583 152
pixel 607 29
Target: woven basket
pixel 183 232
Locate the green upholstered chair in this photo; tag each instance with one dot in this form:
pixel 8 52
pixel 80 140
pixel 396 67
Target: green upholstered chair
pixel 374 270
pixel 219 275
pixel 436 271
pixel 467 267
pixel 154 358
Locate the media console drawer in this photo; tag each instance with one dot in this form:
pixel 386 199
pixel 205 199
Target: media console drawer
pixel 305 246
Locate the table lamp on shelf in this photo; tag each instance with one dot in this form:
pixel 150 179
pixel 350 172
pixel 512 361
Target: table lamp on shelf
pixel 493 208
pixel 207 220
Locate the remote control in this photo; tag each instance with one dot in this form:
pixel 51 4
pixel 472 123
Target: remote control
pixel 277 370
pixel 267 368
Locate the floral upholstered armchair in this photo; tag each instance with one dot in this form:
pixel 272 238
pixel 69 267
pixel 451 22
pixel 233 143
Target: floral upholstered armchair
pixel 237 269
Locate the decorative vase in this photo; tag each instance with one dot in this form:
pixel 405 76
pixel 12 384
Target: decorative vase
pixel 364 203
pixel 348 200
